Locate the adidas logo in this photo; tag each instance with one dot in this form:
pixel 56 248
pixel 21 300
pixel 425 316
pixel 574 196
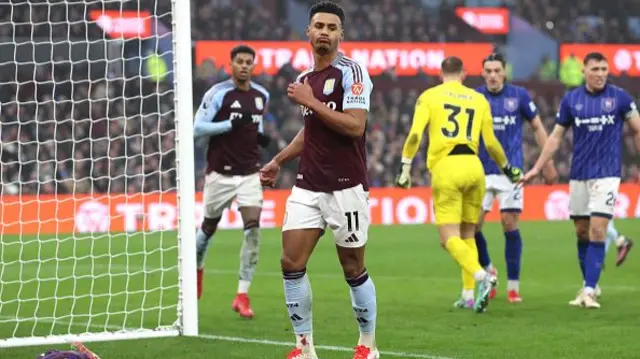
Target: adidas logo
pixel 235 104
pixel 352 239
pixel 295 317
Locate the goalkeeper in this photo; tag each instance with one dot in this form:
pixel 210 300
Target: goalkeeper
pixel 457 116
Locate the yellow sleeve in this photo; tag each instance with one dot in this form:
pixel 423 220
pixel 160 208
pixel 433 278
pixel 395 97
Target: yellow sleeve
pixel 420 122
pixel 491 142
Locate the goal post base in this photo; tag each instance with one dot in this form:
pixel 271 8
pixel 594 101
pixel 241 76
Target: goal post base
pixel 88 338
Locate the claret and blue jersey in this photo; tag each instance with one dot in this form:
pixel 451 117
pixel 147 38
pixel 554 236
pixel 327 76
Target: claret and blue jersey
pixel 597 121
pixel 510 108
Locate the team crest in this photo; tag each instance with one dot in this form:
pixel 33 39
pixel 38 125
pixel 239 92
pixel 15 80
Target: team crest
pixel 259 103
pixel 578 107
pixel 608 104
pixel 329 85
pixel 511 104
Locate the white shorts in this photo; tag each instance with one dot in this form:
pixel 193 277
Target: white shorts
pixel 345 211
pixel 220 191
pixel 509 196
pixel 594 197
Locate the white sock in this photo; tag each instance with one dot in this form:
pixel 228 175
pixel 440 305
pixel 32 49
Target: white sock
pixel 589 291
pixel 513 285
pixel 305 342
pixel 480 275
pixel 243 286
pixel 468 294
pixel 620 240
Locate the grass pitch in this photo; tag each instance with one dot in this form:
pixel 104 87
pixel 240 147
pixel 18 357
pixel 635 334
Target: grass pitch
pixel 416 283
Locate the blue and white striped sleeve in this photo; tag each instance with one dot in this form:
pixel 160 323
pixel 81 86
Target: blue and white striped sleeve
pixel 209 107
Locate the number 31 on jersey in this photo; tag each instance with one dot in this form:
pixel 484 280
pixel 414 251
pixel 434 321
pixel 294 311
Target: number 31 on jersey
pixel 452 128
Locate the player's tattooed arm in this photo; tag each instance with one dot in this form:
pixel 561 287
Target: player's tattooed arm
pixel 549 171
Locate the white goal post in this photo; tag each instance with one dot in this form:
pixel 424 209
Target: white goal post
pixel 97 189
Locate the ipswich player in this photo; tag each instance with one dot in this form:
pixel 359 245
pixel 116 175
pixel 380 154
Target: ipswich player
pixel 230 115
pixel 511 107
pixel 596 113
pixel 331 187
pixel 457 116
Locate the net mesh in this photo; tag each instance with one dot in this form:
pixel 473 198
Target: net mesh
pixel 88 175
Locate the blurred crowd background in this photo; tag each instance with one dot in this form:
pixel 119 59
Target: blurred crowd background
pixel 74 126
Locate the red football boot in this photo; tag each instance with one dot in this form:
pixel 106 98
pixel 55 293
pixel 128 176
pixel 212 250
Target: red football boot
pixel 242 306
pixel 200 277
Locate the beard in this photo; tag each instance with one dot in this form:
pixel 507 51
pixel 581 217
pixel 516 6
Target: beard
pixel 323 49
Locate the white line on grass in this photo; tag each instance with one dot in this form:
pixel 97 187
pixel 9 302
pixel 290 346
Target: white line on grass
pixel 323 347
pixel 333 348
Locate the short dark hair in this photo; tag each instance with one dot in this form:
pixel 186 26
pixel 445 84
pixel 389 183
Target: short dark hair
pixel 452 65
pixel 595 56
pixel 242 49
pixel 495 57
pixel 327 7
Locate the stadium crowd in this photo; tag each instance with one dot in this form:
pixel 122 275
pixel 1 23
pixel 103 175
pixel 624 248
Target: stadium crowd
pixel 66 132
pixel 582 22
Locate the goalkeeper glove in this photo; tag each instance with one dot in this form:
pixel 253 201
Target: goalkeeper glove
pixel 403 179
pixel 263 140
pixel 513 173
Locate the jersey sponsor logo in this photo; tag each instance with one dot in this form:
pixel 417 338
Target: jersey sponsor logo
pixel 254 118
pixel 501 123
pixel 608 104
pixel 259 103
pixel 511 104
pixel 357 89
pixel 595 123
pixel 329 86
pixel 236 104
pixel 308 112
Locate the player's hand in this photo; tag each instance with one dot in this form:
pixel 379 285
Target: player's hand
pixel 513 173
pixel 244 119
pixel 403 179
pixel 269 174
pixel 263 140
pixel 301 93
pixel 533 173
pixel 550 174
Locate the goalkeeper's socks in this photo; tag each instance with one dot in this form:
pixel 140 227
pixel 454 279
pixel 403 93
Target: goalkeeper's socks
pixel 298 298
pixel 466 257
pixel 468 282
pixel 583 246
pixel 513 254
pixel 202 244
pixel 593 265
pixel 483 251
pixel 363 301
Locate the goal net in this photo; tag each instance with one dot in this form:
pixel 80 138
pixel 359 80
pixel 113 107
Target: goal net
pixel 97 219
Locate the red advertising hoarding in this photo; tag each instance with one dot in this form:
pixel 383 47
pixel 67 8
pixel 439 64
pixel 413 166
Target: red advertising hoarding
pixel 406 58
pixel 622 57
pixel 488 20
pixel 127 24
pixel 53 214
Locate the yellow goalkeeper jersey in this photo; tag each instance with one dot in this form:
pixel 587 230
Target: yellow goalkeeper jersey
pixel 456 115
